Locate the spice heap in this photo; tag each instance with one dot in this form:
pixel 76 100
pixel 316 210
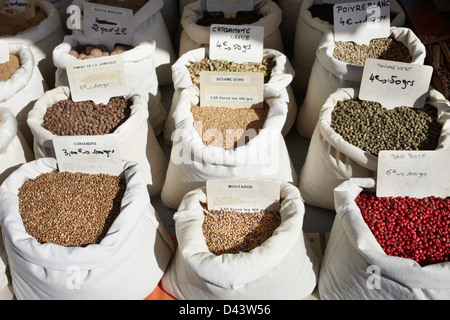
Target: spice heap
pixel 68 118
pixel 91 51
pixel 409 227
pixel 70 209
pixel 206 64
pixel 234 232
pixel 372 128
pixel 383 48
pixel 12 25
pixel 243 17
pixel 228 128
pixel 8 68
pixel 134 5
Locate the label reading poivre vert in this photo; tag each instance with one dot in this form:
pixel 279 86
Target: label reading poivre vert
pixel 109 24
pixel 4 51
pixel 361 21
pixel 88 154
pixel 23 8
pixel 97 79
pixel 232 89
pixel 395 84
pixel 413 173
pixel 229 7
pixel 243 195
pixel 237 43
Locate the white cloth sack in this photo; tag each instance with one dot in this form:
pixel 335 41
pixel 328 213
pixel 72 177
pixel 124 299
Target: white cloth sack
pixel 192 163
pixel 139 70
pixel 329 74
pixel 42 39
pixel 331 160
pixel 136 142
pixel 280 78
pixel 283 267
pixel 194 36
pixel 308 35
pixel 352 253
pixel 171 16
pixel 128 263
pixel 149 23
pixel 22 89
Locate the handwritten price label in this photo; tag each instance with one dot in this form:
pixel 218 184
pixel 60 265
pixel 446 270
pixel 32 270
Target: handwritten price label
pixel 395 84
pixel 236 43
pixel 23 8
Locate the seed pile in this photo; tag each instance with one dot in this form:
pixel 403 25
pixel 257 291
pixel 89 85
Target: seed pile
pixel 134 5
pixel 228 128
pixel 91 51
pixel 243 17
pixel 234 232
pixel 372 128
pixel 12 25
pixel 68 118
pixel 70 209
pixel 409 227
pixel 8 68
pixel 383 48
pixel 206 64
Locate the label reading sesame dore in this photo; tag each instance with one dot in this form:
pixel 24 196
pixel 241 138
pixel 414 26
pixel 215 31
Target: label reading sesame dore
pixel 395 84
pixel 361 21
pixel 232 89
pixel 4 51
pixel 229 7
pixel 97 79
pixel 237 43
pixel 243 195
pixel 22 8
pixel 416 174
pixel 109 24
pixel 88 154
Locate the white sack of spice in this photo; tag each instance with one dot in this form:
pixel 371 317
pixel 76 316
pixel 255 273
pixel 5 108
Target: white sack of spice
pixel 282 267
pixel 309 32
pixel 194 36
pixel 137 142
pixel 41 39
pixel 331 160
pixel 139 69
pixel 22 89
pixel 192 162
pixel 280 76
pixel 136 249
pixel 353 249
pixel 149 23
pixel 329 74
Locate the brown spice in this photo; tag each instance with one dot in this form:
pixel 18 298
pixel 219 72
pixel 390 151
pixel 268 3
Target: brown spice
pixel 12 25
pixel 228 128
pixel 234 232
pixel 8 68
pixel 70 209
pixel 243 17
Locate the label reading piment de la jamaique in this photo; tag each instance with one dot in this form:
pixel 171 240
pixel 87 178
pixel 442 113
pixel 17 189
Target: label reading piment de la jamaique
pixel 229 7
pixel 394 84
pixel 243 195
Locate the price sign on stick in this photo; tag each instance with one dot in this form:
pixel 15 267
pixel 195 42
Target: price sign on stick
pixel 229 7
pixel 23 8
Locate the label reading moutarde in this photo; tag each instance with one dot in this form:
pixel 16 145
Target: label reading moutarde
pixel 109 24
pixel 232 89
pixel 88 154
pixel 413 173
pixel 23 8
pixel 4 51
pixel 229 7
pixel 395 84
pixel 361 21
pixel 243 195
pixel 97 79
pixel 238 43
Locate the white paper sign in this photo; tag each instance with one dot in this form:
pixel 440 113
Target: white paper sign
pixel 395 84
pixel 88 154
pixel 236 43
pixel 97 79
pixel 361 21
pixel 243 195
pixel 4 51
pixel 23 8
pixel 413 173
pixel 229 7
pixel 109 24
